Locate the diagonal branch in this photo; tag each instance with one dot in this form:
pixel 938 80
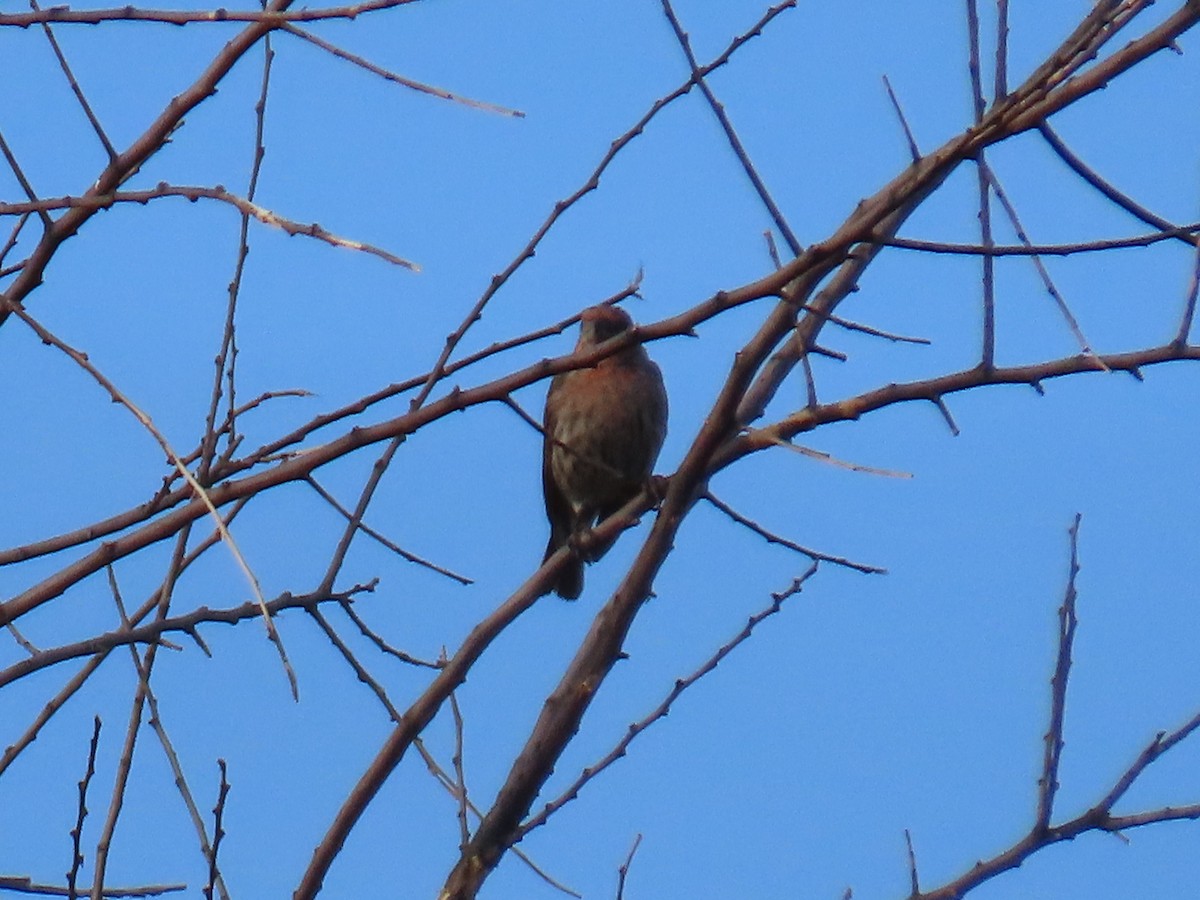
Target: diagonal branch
pixel 383 73
pixel 663 708
pixel 593 182
pixel 75 88
pixel 1124 201
pixel 129 161
pixel 731 134
pixel 566 704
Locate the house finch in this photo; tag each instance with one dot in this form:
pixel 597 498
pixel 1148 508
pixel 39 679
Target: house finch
pixel 604 427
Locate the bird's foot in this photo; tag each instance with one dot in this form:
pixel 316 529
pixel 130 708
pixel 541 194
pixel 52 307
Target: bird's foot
pixel 584 545
pixel 656 486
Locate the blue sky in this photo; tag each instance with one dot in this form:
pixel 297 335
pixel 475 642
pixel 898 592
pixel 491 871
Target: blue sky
pixel 869 705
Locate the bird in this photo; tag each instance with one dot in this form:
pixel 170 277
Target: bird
pixel 603 429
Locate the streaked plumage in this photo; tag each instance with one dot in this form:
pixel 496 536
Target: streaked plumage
pixel 604 428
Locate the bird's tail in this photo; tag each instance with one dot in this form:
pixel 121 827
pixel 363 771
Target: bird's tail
pixel 570 580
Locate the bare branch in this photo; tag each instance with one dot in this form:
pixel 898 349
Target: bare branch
pixel 988 355
pixel 623 871
pixel 186 623
pixel 940 402
pixel 129 161
pixel 460 778
pixel 913 880
pixel 226 360
pixel 274 16
pixel 10 242
pixel 379 642
pixel 81 359
pixel 79 678
pixel 829 458
pixel 1189 307
pixel 1067 315
pixel 418 86
pixel 1089 175
pixel 75 88
pixel 1099 817
pixel 218 832
pixel 77 831
pixel 913 150
pixel 772 538
pixel 660 711
pixel 593 182
pixel 47 222
pixel 93 202
pixel 160 730
pixel 1048 783
pixel 1187 232
pixel 731 135
pixel 136 708
pixel 24 885
pixel 1000 91
pixel 385 541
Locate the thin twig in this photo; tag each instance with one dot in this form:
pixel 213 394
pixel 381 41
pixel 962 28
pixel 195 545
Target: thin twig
pixel 400 79
pixel 913 150
pixel 11 241
pixel 822 456
pixel 360 509
pixel 160 730
pixel 1051 288
pixel 81 359
pixel 47 222
pixel 731 135
pixel 77 831
pixel 271 17
pixel 1124 201
pixel 772 538
pixel 25 885
pixel 772 249
pixel 810 382
pixel 23 642
pixel 226 360
pixel 151 633
pixel 382 539
pixel 439 369
pixel 75 88
pixel 94 202
pixel 623 871
pixel 85 672
pixel 913 880
pixel 360 671
pixel 940 402
pixel 218 831
pixel 988 355
pixel 850 325
pixel 1098 246
pixel 1048 782
pixel 460 777
pixel 663 708
pixel 1000 90
pixel 379 642
pixel 136 708
pixel 1189 306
